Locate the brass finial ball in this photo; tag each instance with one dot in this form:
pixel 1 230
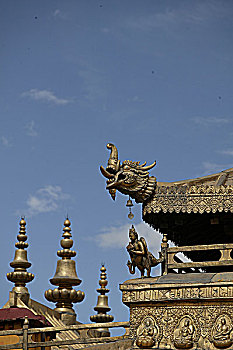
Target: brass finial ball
pixel 67 222
pixel 103 269
pixel 22 222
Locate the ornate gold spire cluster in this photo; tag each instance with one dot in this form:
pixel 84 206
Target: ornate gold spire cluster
pixel 102 303
pixel 20 276
pixel 65 278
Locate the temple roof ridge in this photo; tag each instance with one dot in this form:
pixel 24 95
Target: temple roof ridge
pixel 222 175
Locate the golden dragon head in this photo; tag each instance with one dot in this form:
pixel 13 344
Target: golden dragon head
pixel 130 178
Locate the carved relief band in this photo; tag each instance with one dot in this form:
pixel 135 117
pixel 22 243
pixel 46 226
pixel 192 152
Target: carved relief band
pixel 177 294
pixel 190 199
pixel 182 327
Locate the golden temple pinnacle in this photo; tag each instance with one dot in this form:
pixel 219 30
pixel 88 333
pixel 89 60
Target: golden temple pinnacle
pixel 65 277
pixel 102 304
pixel 20 276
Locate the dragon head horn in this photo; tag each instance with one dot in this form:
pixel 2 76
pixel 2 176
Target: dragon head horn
pixel 148 167
pixel 113 162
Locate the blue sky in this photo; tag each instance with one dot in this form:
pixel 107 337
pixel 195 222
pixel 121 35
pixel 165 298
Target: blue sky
pixel 152 77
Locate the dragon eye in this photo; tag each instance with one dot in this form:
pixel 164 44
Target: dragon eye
pixel 126 167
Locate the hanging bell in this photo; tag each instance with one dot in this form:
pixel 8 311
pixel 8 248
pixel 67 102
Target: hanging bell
pixel 129 203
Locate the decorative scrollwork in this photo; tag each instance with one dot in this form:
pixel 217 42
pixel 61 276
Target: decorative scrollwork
pixel 190 199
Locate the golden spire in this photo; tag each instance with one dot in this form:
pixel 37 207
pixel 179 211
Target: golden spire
pixel 65 277
pixel 20 276
pixel 102 304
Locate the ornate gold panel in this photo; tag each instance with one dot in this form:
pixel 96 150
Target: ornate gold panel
pixel 183 327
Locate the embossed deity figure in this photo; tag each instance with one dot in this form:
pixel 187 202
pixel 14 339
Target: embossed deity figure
pixel 222 332
pixel 146 333
pixel 183 337
pixel 139 254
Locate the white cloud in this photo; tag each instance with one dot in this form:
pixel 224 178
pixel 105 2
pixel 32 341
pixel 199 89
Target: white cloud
pixel 169 19
pixel 45 96
pixel 211 167
pixel 118 236
pixel 227 152
pixel 30 129
pixel 5 141
pixel 45 200
pixel 105 30
pixel 56 13
pixel 135 98
pixel 59 14
pixel 210 120
pixel 94 84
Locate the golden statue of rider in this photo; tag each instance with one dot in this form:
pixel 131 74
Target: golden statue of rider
pixel 139 254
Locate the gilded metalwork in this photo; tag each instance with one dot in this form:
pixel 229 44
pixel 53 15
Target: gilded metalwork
pixel 128 177
pixel 207 194
pixel 184 333
pixel 139 254
pixel 224 260
pixel 184 327
pixel 21 276
pixel 190 199
pixel 147 333
pixel 65 277
pixel 102 305
pixel 191 310
pixel 129 204
pixel 191 303
pixel 222 332
pixel 189 314
pixel 178 293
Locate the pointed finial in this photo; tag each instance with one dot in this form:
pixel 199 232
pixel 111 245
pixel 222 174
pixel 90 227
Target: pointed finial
pixel 102 304
pixel 65 277
pixel 20 276
pixel 103 280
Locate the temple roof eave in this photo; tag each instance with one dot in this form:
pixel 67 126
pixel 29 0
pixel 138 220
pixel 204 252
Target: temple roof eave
pixel 186 210
pixel 207 194
pixel 190 199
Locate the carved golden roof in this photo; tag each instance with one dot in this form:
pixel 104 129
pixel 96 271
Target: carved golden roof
pixel 194 211
pixel 212 193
